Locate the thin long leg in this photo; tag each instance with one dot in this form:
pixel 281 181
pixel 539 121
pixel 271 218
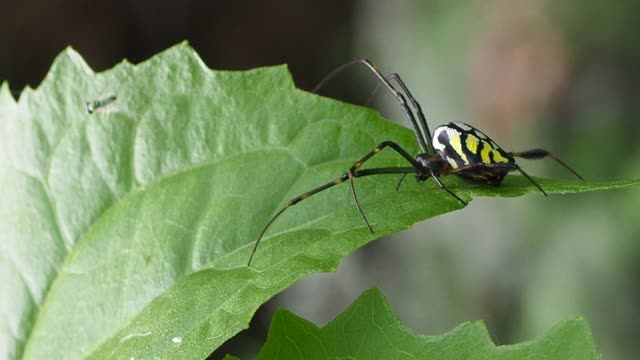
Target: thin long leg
pixel 359 163
pixel 355 199
pixel 423 141
pixel 385 171
pixel 400 181
pixel 536 154
pixel 383 145
pixel 344 177
pixel 418 109
pixel 416 105
pixel 437 180
pixel 441 185
pixel 340 180
pixel 530 179
pixel 375 90
pixel 498 166
pixel 292 202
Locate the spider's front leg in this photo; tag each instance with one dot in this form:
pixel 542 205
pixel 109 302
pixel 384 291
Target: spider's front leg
pixel 352 173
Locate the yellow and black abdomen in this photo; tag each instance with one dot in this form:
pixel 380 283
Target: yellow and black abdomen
pixel 471 154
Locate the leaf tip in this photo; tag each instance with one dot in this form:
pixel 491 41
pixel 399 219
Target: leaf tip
pixel 4 88
pixel 67 63
pixel 577 324
pixel 71 55
pixel 280 312
pixel 374 292
pixel 8 97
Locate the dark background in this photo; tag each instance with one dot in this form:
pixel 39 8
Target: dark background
pixel 311 37
pixel 559 75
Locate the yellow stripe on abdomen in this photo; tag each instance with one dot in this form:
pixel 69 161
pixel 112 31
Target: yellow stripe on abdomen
pixel 472 143
pixel 484 154
pixel 454 140
pixel 497 157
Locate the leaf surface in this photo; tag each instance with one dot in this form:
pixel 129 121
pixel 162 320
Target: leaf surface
pixel 369 329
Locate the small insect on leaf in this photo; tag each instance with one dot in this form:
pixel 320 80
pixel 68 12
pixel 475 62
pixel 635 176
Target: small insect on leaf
pixel 99 104
pixel 105 102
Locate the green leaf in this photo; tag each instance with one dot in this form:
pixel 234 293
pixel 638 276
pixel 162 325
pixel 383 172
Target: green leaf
pixel 369 329
pixel 125 233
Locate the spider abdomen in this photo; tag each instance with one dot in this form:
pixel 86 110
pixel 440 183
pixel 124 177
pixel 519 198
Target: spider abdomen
pixel 472 154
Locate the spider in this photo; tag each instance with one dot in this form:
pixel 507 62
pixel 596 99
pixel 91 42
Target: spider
pixel 455 148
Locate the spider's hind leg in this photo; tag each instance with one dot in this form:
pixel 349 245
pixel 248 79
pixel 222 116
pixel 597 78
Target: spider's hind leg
pixel 536 154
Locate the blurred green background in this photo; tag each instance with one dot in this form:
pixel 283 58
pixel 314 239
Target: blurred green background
pixel 529 73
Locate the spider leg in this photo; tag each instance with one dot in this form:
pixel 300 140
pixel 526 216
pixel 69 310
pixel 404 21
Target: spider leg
pixel 355 200
pixel 385 170
pixel 416 105
pixel 423 141
pixel 535 154
pixel 359 163
pixel 375 90
pixel 292 202
pixel 418 109
pixel 530 179
pixel 441 185
pixel 341 179
pixel 400 181
pixel 352 173
pixel 405 154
